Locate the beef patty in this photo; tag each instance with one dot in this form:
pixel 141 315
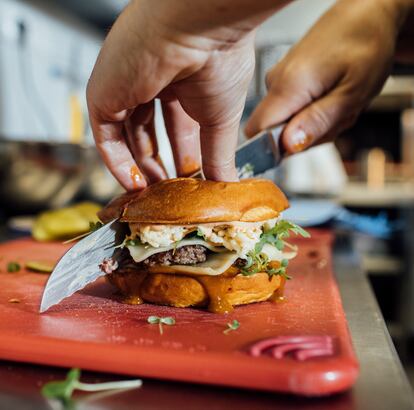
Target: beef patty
pixel 185 255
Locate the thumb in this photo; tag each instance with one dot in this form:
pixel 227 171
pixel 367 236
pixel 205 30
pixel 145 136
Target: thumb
pixel 325 117
pixel 275 108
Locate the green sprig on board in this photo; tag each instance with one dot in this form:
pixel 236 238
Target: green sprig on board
pixel 13 267
pixel 62 390
pixel 155 320
pixel 231 327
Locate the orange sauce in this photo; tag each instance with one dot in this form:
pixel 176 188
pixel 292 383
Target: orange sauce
pixel 136 176
pixel 216 287
pixel 278 294
pixel 129 284
pixel 189 166
pixel 133 300
pixel 300 146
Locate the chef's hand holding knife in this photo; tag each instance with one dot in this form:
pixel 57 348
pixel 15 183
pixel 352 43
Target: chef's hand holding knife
pixel 197 57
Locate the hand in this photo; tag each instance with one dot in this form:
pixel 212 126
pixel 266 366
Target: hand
pixel 330 76
pixel 202 82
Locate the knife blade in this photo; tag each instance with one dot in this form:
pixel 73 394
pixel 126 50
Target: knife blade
pixel 263 151
pixel 79 266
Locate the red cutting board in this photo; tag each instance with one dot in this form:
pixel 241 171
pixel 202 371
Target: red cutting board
pixel 94 331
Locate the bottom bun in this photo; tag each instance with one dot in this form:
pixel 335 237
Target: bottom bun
pixel 218 293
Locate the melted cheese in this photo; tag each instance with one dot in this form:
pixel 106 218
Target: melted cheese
pixel 275 255
pixel 144 251
pixel 218 263
pixel 215 265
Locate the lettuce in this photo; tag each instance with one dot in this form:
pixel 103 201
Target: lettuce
pixel 259 262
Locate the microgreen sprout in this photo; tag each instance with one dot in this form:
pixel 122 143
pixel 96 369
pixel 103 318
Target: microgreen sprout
pixel 155 320
pixel 63 389
pixel 232 326
pixel 13 267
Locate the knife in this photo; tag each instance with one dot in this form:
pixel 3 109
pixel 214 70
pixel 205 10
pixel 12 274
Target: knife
pixel 261 152
pixel 264 151
pixel 80 265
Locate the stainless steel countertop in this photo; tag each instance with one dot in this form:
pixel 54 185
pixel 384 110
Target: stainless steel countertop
pixel 382 384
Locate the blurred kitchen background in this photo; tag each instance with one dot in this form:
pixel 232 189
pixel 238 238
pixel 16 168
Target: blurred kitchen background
pixel 363 187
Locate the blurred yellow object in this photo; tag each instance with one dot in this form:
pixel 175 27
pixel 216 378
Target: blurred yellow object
pixel 65 223
pixel 77 126
pixel 40 267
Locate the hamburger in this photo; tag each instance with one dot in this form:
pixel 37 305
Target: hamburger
pixel 196 243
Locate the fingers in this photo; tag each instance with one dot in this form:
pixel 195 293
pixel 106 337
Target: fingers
pixel 275 108
pixel 218 147
pixel 184 135
pixel 310 114
pixel 304 75
pixel 126 75
pixel 142 142
pixel 320 120
pixel 111 144
pixel 215 97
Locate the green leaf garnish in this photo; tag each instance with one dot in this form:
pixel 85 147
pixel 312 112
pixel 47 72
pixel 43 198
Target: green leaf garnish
pixel 13 267
pixel 199 233
pixel 232 326
pixel 168 321
pixel 133 242
pixel 128 242
pixel 283 228
pixel 259 262
pixel 281 270
pixel 156 320
pixel 63 389
pixel 94 226
pixel 195 234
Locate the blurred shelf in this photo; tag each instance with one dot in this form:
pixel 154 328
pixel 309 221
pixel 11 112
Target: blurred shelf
pixel 396 102
pixel 398 91
pixel 393 194
pixel 396 330
pixel 381 265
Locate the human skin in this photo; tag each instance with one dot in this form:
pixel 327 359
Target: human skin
pixel 198 58
pixel 332 74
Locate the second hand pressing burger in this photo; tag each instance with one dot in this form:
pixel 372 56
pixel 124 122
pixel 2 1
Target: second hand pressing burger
pixel 201 243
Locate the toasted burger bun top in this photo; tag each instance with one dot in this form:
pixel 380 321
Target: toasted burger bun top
pixel 184 201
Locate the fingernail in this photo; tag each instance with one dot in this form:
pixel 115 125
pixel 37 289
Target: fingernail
pixel 299 141
pixel 136 177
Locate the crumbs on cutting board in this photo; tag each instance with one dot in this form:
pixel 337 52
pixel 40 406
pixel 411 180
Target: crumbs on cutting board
pixel 14 300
